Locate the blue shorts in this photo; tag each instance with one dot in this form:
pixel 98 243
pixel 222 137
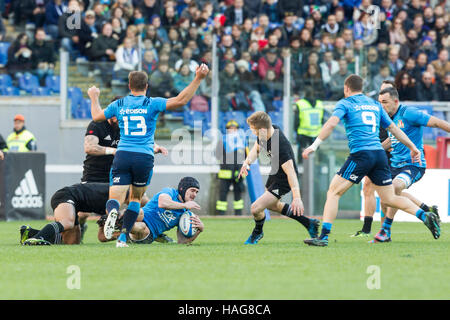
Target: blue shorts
pixel 131 168
pixel 408 174
pixel 371 163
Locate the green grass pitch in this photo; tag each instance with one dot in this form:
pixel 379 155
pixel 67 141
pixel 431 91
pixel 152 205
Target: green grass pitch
pixel 220 266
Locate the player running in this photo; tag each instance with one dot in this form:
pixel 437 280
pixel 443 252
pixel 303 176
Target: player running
pixel 133 163
pixel 405 172
pixel 282 179
pixel 362 117
pixel 163 213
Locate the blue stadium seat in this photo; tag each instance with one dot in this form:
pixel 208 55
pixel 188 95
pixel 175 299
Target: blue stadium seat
pixel 10 91
pixel 4 46
pixel 28 82
pixel 52 83
pixel 40 91
pixel 277 118
pixel 81 110
pixel 5 80
pixel 191 117
pixel 75 95
pixel 278 105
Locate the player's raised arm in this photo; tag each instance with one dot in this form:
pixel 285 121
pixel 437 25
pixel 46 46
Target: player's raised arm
pixel 96 111
pixel 186 95
pixel 403 138
pixel 325 132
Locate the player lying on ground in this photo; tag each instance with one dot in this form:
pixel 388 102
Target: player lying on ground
pixel 102 176
pixel 133 163
pixel 282 179
pixel 163 213
pixel 405 172
pixel 67 203
pixel 362 117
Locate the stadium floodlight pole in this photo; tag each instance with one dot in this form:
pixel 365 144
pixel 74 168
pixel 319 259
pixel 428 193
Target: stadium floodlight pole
pixel 63 74
pixel 287 97
pixel 215 88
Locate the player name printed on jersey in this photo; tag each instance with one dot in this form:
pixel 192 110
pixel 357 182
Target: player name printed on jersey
pixel 26 194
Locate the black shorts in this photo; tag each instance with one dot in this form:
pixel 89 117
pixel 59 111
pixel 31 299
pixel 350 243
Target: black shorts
pixel 63 196
pixel 277 187
pixel 371 163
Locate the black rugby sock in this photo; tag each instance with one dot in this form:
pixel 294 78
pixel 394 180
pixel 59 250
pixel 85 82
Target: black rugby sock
pixel 50 231
pixel 259 225
pixel 286 211
pixel 367 227
pixel 424 207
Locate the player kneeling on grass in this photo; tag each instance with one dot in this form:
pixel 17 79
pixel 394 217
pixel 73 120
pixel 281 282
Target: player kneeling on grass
pixel 163 213
pixel 282 179
pixel 67 204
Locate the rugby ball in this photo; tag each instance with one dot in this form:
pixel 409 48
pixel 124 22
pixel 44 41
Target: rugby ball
pixel 185 225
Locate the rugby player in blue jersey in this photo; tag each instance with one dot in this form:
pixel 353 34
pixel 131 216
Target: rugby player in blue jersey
pixel 133 162
pixel 163 213
pixel 411 121
pixel 362 118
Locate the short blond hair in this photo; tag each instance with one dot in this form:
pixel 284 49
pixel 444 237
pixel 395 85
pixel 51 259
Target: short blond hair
pixel 260 120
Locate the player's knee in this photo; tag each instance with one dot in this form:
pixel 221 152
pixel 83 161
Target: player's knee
pixel 398 187
pixel 256 208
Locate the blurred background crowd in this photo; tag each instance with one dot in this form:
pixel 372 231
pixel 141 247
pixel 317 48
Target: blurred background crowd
pixel 404 41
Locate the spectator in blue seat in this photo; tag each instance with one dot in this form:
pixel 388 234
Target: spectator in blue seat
pixel 229 85
pixel 43 57
pixel 104 46
pixel 426 89
pixel 182 78
pixel 127 59
pixel 53 10
pixel 161 82
pixel 19 56
pixel 271 90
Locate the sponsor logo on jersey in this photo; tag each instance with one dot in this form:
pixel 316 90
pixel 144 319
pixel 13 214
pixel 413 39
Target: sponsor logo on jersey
pixel 27 194
pixel 133 111
pixel 167 216
pixel 108 137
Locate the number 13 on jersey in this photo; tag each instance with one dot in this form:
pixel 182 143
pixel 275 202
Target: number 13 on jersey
pixel 128 122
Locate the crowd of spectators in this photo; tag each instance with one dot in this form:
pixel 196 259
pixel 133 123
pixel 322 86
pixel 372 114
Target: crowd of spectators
pixel 404 41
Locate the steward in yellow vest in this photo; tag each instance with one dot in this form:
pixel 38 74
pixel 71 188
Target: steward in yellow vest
pixel 308 122
pixel 20 140
pixel 231 153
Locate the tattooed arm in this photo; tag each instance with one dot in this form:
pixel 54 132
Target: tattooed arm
pixel 92 147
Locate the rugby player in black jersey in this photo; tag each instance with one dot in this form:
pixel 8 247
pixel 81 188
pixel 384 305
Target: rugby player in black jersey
pixel 66 204
pixel 282 179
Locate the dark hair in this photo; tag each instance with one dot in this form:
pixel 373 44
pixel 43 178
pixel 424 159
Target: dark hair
pixel 354 83
pixel 399 78
pixel 390 82
pixel 393 93
pixel 138 80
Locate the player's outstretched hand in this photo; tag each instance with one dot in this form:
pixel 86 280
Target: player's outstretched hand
pixel 191 205
pixel 93 92
pixel 197 223
pixel 1 155
pixel 297 207
pixel 416 155
pixel 202 71
pixel 307 152
pixel 244 171
pixel 162 150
